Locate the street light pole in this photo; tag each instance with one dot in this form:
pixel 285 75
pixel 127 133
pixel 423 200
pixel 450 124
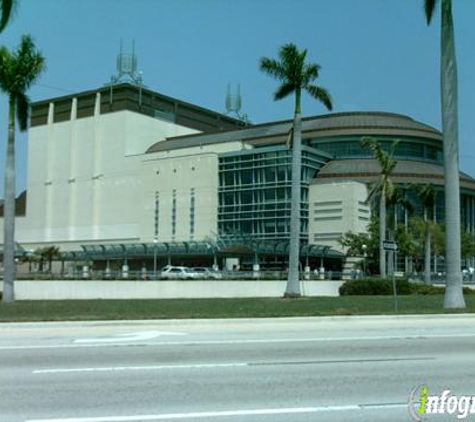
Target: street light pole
pixel 155 241
pixel 364 247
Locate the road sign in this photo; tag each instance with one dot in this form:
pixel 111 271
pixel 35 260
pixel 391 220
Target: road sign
pixel 389 245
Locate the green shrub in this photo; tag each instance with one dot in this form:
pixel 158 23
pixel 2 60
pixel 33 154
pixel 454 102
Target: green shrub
pixel 374 286
pixel 468 291
pixel 424 289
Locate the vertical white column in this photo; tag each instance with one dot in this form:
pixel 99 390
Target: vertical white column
pixel 73 202
pixel 97 170
pixel 49 174
pixel 51 114
pixel 74 109
pixel 97 104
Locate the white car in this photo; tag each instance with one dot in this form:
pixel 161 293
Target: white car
pixel 176 273
pixel 203 272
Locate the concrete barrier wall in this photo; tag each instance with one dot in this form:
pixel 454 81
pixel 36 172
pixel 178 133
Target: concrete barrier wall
pixel 88 289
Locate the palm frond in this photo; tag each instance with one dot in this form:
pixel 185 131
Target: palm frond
pixel 320 94
pixel 7 10
pixel 19 69
pixel 429 7
pixel 384 159
pixel 374 192
pixel 293 62
pixel 272 67
pixel 26 66
pixel 22 111
pixel 427 194
pixel 295 75
pixel 283 91
pixel 311 72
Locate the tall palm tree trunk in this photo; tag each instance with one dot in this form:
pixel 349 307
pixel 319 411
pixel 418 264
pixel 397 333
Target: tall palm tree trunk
pixel 382 234
pixel 9 211
pixel 449 97
pixel 293 283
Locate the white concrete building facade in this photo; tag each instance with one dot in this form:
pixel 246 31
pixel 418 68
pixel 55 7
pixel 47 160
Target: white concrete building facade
pixel 125 165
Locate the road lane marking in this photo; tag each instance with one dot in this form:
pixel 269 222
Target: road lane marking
pixel 221 365
pixel 250 341
pixel 131 337
pixel 221 414
pixel 138 368
pixel 320 362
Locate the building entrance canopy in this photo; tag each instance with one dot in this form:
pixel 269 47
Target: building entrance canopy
pixel 222 247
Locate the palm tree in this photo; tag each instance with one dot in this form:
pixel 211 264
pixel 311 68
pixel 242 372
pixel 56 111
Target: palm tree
pixel 383 190
pixel 295 76
pixel 449 99
pixel 427 195
pixel 18 71
pixel 50 254
pixel 7 8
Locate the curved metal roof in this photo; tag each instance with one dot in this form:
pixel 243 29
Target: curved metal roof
pixel 368 170
pixel 226 246
pixel 335 124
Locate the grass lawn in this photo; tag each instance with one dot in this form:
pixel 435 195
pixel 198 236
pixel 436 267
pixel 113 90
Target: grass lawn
pixel 73 310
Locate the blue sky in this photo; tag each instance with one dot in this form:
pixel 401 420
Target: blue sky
pixel 376 55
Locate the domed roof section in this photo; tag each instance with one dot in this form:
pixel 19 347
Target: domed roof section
pixel 370 123
pixel 368 171
pixel 371 120
pixel 324 126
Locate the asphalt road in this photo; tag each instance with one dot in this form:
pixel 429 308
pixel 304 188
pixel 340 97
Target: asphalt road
pixel 304 369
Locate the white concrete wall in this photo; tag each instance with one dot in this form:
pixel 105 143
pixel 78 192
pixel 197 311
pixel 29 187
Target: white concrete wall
pixel 84 180
pixel 63 290
pixel 178 172
pixel 336 208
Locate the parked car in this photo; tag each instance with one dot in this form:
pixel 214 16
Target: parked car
pixel 176 273
pixel 203 272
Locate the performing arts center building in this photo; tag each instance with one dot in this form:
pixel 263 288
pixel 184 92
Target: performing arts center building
pixel 124 174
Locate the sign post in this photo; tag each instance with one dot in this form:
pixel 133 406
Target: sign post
pixel 390 246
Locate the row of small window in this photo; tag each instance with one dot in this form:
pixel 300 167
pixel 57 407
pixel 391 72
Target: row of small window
pixel 261 227
pixel 260 196
pixel 269 175
pixel 266 215
pixel 256 156
pixel 306 162
pixel 403 149
pixel 263 156
pixel 257 208
pixel 247 177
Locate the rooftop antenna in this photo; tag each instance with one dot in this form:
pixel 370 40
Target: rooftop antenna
pixel 127 68
pixel 126 72
pixel 233 103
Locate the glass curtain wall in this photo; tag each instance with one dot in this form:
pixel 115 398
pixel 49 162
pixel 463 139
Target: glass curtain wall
pixel 254 191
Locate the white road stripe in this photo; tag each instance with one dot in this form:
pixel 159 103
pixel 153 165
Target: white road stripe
pixel 254 412
pixel 253 341
pixel 138 368
pixel 218 365
pixel 130 337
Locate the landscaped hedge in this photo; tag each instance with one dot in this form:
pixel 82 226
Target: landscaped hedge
pixel 374 286
pixel 424 289
pixel 384 286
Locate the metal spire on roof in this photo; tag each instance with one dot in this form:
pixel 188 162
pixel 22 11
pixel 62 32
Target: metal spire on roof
pixel 127 68
pixel 233 103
